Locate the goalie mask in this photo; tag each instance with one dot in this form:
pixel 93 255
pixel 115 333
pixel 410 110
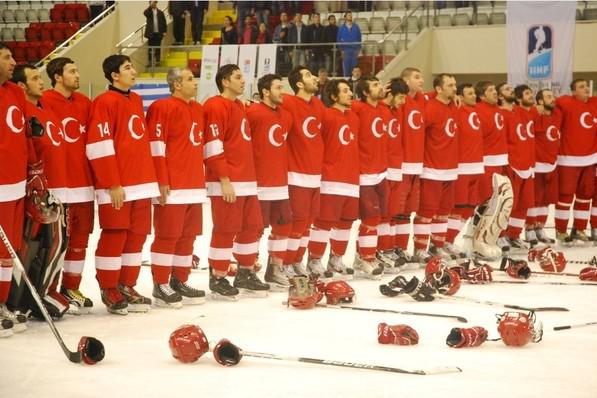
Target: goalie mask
pixel 551 261
pixel 518 329
pixel 338 292
pixel 434 265
pixel 188 343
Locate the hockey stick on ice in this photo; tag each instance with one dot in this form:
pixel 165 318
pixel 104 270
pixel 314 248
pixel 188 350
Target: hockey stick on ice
pixel 496 304
pixel 73 356
pixel 578 325
pixel 547 283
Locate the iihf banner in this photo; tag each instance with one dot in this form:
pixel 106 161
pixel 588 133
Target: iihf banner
pixel 540 44
pixel 229 54
pixel 267 59
pixel 209 68
pixel 247 60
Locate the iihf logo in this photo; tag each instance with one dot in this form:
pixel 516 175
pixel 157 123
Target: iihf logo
pixel 539 52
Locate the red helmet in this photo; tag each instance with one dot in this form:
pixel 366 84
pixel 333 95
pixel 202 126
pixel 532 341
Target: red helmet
pixel 518 329
pixel 551 261
pixel 338 292
pixel 188 343
pixel 91 349
pixel 446 281
pixel 434 265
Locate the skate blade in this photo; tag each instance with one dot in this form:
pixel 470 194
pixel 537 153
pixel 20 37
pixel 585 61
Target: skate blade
pixel 247 293
pixel 139 308
pixel 6 333
pixel 76 310
pixel 219 297
pixel 19 327
pixel 163 304
pixel 122 311
pixel 337 276
pixel 276 287
pixel 193 300
pixel 392 270
pixel 364 275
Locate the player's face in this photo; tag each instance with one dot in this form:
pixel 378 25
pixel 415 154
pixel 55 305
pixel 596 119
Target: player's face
pixel 399 99
pixel 316 19
pixel 491 96
pixel 527 98
pixel 344 95
pixel 236 84
pixel 127 75
pixel 549 101
pixel 376 90
pixel 469 97
pixel 507 93
pixel 581 90
pixel 71 77
pixel 415 82
pixel 275 92
pixel 310 84
pixel 188 84
pixel 449 88
pixel 35 84
pixel 7 65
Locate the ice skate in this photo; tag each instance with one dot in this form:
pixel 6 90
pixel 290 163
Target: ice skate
pixel 114 301
pixel 136 302
pixel 367 268
pixel 189 294
pixel 166 297
pixel 19 321
pixel 421 257
pixel 79 304
pixel 221 289
pixel 504 244
pixel 564 239
pixel 299 269
pixel 439 251
pixel 517 245
pixel 454 251
pixel 249 284
pixel 531 237
pixel 316 269
pixel 6 326
pixel 542 237
pixel 392 262
pixel 275 276
pixel 337 269
pixel 579 235
pixel 594 236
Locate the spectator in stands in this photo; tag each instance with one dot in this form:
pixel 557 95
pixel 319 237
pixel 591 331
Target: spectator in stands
pixel 155 30
pixel 262 11
pixel 316 34
pixel 331 33
pixel 229 32
pixel 355 77
pixel 243 8
pixel 283 64
pixel 297 33
pixel 322 75
pixel 349 32
pixel 281 31
pixel 197 9
pixel 249 35
pixel 177 10
pixel 263 35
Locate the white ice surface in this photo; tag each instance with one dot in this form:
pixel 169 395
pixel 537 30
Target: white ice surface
pixel 138 361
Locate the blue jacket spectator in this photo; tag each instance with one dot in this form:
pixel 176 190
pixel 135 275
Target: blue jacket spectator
pixel 349 33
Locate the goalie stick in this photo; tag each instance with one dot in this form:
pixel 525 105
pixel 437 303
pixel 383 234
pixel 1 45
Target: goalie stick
pixel 510 306
pixel 429 314
pixel 578 325
pixel 73 356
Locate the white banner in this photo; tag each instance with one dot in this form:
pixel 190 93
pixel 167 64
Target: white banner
pixel 229 54
pixel 209 68
pixel 540 44
pixel 247 60
pixel 267 59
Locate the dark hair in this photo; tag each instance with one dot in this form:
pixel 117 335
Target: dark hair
pixel 230 18
pixel 19 76
pixel 330 16
pixel 112 65
pixel 56 67
pixel 4 46
pixel 315 13
pixel 362 87
pixel 481 87
pixel 520 89
pixel 295 76
pixel 498 88
pixel 347 12
pixel 224 73
pixel 540 95
pixel 461 87
pixel 265 83
pixel 438 81
pixel 398 86
pixel 332 88
pixel 574 82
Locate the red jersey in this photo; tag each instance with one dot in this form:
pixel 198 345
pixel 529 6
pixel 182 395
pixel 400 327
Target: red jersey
pixel 73 114
pixel 373 146
pixel 413 134
pixel 13 143
pixel 521 143
pixel 50 148
pixel 547 141
pixel 393 122
pixel 305 145
pixel 340 174
pixel 176 139
pixel 441 142
pixel 228 149
pixel 118 147
pixel 470 141
pixel 579 132
pixel 495 139
pixel 270 129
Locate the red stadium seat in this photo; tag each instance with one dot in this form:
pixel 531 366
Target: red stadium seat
pixel 32 51
pixel 57 13
pixel 71 28
pixel 70 12
pixel 33 32
pixel 46 48
pixel 46 30
pixel 82 13
pixel 58 33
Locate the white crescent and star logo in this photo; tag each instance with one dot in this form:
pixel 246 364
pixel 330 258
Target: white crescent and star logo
pixel 583 121
pixel 530 125
pixel 67 137
pixel 473 121
pixel 391 124
pixel 499 121
pixel 243 130
pixel 132 130
pixel 342 136
pixel 549 134
pixel 51 126
pixel 272 135
pixel 306 131
pixel 192 135
pixel 411 120
pixel 374 127
pixel 10 119
pixel 450 128
pixel 519 132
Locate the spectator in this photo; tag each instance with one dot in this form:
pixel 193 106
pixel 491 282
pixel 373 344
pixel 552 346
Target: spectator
pixel 355 77
pixel 349 32
pixel 316 34
pixel 243 8
pixel 155 30
pixel 281 31
pixel 263 35
pixel 197 9
pixel 177 9
pixel 322 75
pixel 331 33
pixel 297 33
pixel 249 35
pixel 283 64
pixel 229 32
pixel 263 9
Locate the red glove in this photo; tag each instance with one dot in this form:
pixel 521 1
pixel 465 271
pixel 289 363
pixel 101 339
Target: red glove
pixel 36 180
pixel 480 274
pixel 396 334
pixel 466 337
pixel 518 269
pixel 588 274
pixel 226 353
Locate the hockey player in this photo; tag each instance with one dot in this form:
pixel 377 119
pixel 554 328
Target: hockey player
pixel 47 242
pixel 339 181
pixel 470 166
pixel 576 162
pixel 270 125
pixel 305 156
pixel 13 178
pixel 176 130
pixel 413 144
pixel 440 170
pixel 547 124
pixel 521 155
pixel 72 109
pixel 119 153
pixel 391 110
pixel 373 160
pixel 232 188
